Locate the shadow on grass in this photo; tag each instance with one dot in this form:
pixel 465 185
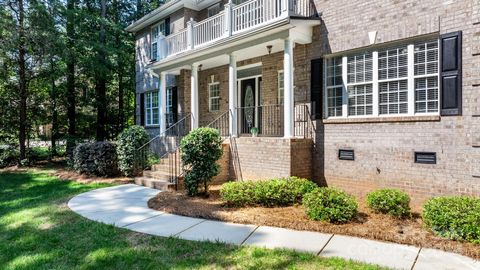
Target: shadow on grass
pixel 38 231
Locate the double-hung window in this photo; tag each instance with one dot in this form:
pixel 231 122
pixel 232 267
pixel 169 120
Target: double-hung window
pixel 334 89
pixel 169 109
pixel 157 31
pixel 399 80
pixel 214 97
pixel 151 109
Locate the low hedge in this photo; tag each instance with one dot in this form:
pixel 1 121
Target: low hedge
pixel 99 158
pixel 454 217
pixel 330 204
pixel 393 202
pixel 274 192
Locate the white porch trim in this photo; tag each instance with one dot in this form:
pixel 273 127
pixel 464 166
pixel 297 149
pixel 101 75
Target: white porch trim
pixel 194 96
pixel 288 89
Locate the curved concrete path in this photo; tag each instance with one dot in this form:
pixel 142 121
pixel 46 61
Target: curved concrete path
pixel 125 206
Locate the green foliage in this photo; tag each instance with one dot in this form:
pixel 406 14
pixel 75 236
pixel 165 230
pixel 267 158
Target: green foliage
pixel 274 192
pixel 330 204
pixel 99 158
pixel 201 149
pixel 389 201
pixel 128 142
pixel 38 153
pixel 454 217
pixel 8 155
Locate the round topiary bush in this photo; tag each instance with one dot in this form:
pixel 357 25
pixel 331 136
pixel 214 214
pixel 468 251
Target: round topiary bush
pixel 128 142
pixel 454 217
pixel 330 204
pixel 200 151
pixel 389 201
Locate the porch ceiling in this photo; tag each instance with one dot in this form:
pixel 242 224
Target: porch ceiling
pixel 246 46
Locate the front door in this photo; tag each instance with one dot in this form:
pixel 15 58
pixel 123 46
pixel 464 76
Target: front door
pixel 248 101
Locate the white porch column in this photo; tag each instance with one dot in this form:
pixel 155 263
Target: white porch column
pixel 194 95
pixel 162 102
pixel 288 102
pixel 232 95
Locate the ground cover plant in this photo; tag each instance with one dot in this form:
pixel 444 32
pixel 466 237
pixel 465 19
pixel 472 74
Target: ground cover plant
pixel 38 231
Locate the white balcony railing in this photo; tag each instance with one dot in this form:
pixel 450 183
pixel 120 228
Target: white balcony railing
pixel 233 20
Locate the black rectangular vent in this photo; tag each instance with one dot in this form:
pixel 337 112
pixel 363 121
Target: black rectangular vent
pixel 426 157
pixel 344 154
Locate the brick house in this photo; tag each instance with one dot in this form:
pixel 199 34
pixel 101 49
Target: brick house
pixel 354 94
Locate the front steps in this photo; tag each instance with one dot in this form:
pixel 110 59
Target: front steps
pixel 159 176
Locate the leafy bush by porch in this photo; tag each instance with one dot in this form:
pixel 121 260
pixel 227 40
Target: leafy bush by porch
pixel 98 159
pixel 389 201
pixel 454 217
pixel 128 142
pixel 274 192
pixel 330 204
pixel 201 149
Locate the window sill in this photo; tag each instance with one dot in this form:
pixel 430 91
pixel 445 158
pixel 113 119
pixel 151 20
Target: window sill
pixel 393 119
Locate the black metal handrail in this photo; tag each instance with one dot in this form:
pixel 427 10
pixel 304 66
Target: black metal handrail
pixel 268 119
pixel 222 124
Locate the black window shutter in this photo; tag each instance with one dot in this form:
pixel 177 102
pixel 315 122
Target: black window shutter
pixel 142 109
pixel 451 73
pixel 167 26
pixel 175 104
pixel 316 79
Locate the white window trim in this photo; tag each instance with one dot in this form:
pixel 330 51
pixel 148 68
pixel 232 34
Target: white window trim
pixel 156 26
pixel 210 98
pixel 150 109
pixel 375 81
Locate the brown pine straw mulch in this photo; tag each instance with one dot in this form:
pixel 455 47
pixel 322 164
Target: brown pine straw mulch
pixel 367 224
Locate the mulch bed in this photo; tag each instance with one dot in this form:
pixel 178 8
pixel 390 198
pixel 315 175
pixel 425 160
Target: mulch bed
pixel 367 224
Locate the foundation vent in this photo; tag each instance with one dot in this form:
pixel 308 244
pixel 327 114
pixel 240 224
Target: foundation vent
pixel 346 154
pixel 426 157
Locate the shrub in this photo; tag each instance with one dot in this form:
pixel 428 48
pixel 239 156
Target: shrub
pixel 389 201
pixel 274 192
pixel 98 159
pixel 128 142
pixel 454 217
pixel 200 149
pixel 8 155
pixel 330 204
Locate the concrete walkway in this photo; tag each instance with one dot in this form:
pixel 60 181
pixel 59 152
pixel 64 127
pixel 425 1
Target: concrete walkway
pixel 126 206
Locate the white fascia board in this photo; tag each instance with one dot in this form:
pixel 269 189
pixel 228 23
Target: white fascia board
pixel 154 16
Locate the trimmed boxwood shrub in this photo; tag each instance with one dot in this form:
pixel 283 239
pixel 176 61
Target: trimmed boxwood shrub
pixel 128 142
pixel 200 151
pixel 274 192
pixel 99 158
pixel 454 217
pixel 389 201
pixel 330 204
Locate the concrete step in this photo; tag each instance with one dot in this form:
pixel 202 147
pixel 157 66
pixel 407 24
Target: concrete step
pixel 165 167
pixel 154 183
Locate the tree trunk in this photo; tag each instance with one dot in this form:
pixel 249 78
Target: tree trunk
pixel 101 83
pixel 22 136
pixel 53 97
pixel 70 61
pixel 117 14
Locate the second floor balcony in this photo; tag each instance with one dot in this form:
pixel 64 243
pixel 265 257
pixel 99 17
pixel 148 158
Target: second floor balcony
pixel 233 20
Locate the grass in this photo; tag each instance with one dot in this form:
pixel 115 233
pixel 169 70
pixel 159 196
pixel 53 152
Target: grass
pixel 38 231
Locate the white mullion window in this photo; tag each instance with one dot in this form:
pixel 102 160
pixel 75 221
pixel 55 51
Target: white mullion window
pixel 151 109
pixel 359 84
pixel 157 30
pixel 393 81
pixel 334 87
pixel 281 87
pixel 214 96
pixel 426 77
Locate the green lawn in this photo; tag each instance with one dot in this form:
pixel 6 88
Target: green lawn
pixel 38 231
